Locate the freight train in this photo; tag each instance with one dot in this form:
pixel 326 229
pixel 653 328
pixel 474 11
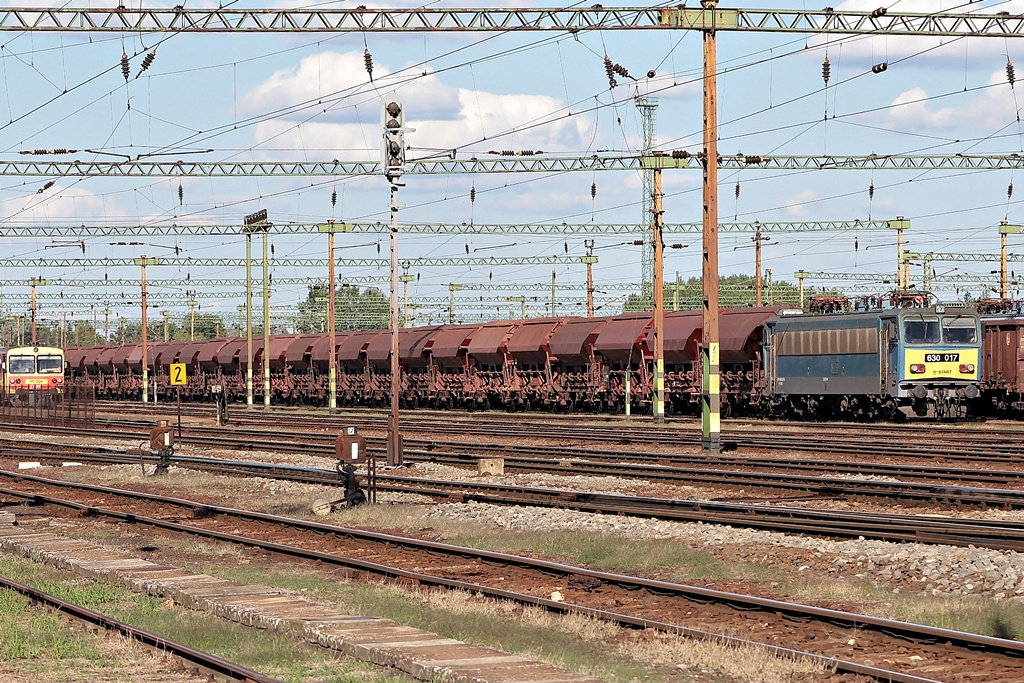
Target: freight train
pixel 774 362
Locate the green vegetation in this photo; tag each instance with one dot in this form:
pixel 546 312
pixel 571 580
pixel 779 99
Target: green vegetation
pixel 36 640
pixel 353 309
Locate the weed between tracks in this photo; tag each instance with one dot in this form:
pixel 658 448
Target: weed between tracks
pixel 578 646
pixel 45 648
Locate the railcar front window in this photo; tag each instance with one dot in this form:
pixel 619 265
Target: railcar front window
pixel 959 330
pixel 21 365
pixel 921 330
pixel 51 364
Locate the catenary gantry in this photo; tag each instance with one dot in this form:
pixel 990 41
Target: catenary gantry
pixel 572 20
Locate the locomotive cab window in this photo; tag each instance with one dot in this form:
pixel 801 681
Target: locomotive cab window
pixel 921 329
pixel 50 364
pixel 959 330
pixel 19 365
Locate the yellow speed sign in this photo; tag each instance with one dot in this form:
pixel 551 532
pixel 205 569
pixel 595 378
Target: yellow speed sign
pixel 178 374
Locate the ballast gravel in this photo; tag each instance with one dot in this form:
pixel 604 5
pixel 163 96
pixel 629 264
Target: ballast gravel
pixel 902 567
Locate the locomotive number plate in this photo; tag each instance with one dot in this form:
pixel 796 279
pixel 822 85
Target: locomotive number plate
pixel 942 358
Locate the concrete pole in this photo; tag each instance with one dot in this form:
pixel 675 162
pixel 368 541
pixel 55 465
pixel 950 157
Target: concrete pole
pixel 758 283
pixel 248 319
pixel 145 350
pixel 590 260
pixel 192 303
pixel 406 278
pixel 266 318
pixel 659 301
pixel 901 283
pixel 553 299
pixel 800 276
pixel 332 334
pixel 711 398
pixel 395 456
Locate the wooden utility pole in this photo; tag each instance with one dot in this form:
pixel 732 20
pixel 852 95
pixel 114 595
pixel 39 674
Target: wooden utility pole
pixel 659 300
pixel 710 398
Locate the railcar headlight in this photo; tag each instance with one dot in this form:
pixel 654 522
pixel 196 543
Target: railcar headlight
pixel 967 368
pixel 917 368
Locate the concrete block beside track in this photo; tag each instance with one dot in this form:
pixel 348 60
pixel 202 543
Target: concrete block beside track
pixel 421 654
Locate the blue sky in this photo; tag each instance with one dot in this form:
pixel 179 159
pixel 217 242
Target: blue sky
pixel 308 97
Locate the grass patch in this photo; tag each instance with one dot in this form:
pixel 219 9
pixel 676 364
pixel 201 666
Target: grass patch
pixel 997 618
pixel 29 635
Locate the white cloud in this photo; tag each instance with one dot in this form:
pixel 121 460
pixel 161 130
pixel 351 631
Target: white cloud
pixel 912 111
pixel 57 204
pixel 443 117
pixel 800 204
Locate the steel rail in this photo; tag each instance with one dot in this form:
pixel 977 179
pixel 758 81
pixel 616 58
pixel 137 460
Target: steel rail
pixel 209 663
pixel 1002 445
pixel 900 630
pixel 669 468
pixel 993 534
pixel 665 467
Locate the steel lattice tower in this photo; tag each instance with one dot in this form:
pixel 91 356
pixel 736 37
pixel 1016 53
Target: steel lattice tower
pixel 647 105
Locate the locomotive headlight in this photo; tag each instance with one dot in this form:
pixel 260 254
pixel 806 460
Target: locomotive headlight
pixel 967 368
pixel 917 368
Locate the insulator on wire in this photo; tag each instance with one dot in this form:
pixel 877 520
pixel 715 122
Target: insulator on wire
pixel 565 243
pixel 181 194
pixel 879 68
pixel 856 244
pixel 472 194
pixel 879 13
pixel 593 190
pixel 737 189
pixel 47 186
pixel 871 190
pixel 147 62
pixel 826 70
pixel 368 61
pixel 1009 190
pixel 334 198
pixel 1010 76
pixel 125 70
pixel 609 69
pixel 621 70
pixel 467 247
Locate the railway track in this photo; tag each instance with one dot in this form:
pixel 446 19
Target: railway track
pixel 211 666
pixel 948 442
pixel 936 487
pixel 930 529
pixel 851 643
